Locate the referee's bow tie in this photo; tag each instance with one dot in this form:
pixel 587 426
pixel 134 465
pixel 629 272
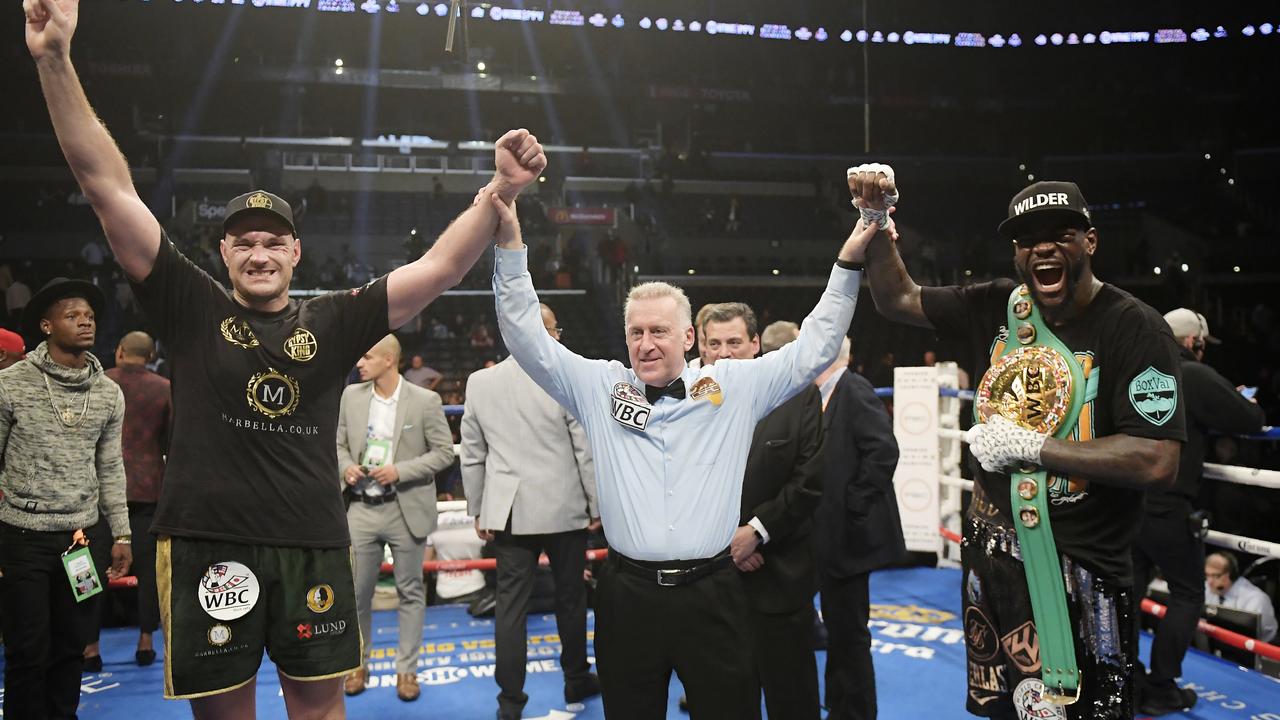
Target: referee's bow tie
pixel 675 390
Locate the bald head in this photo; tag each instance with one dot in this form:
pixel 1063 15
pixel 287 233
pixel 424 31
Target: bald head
pixel 135 348
pixel 382 363
pixel 549 321
pixel 390 347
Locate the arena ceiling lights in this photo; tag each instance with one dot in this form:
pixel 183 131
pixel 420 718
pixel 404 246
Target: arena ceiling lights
pixel 728 26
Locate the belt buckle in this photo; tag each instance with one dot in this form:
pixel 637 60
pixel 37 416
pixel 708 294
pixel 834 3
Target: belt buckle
pixel 664 574
pixel 1062 696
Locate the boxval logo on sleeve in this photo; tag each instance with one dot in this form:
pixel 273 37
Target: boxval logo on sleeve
pixel 1154 395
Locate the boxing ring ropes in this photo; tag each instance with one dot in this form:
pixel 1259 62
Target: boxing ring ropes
pixel 950 487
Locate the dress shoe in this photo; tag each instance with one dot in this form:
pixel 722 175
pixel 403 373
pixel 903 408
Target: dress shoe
pixel 407 686
pixel 1167 699
pixel 588 686
pixel 93 664
pixel 356 681
pixel 144 657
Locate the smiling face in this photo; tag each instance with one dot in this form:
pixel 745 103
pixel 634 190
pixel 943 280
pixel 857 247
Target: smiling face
pixel 657 339
pixel 260 253
pixel 70 325
pixel 1053 262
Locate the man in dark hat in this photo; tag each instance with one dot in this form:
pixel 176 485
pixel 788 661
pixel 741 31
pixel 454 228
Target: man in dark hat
pixel 60 420
pixel 253 550
pixel 1126 439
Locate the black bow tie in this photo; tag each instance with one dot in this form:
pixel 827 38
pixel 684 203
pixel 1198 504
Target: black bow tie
pixel 675 390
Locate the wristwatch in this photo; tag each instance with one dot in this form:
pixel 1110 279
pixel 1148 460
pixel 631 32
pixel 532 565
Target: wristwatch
pixel 124 540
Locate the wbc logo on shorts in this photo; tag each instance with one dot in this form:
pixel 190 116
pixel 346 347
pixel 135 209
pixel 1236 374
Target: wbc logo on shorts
pixel 228 590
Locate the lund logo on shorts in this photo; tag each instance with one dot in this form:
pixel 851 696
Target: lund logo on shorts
pixel 306 631
pixel 320 598
pixel 228 590
pixel 1154 395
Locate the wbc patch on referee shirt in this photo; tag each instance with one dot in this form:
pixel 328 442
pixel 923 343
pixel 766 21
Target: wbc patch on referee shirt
pixel 630 407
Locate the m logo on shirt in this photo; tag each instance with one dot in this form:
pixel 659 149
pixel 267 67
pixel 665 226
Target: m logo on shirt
pixel 1154 395
pixel 273 393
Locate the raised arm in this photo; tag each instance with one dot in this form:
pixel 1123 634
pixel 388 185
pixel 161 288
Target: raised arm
pixel 519 160
pixel 95 159
pixel 896 295
pixel 560 372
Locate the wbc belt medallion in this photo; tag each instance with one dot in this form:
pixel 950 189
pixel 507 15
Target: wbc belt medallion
pixel 1030 386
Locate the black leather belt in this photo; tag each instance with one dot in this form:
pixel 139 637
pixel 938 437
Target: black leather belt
pixel 376 499
pixel 670 573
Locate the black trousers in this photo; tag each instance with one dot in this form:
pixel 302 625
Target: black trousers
pixel 850 676
pixel 45 629
pixel 517 557
pixel 701 630
pixel 1165 542
pixel 785 664
pixel 141 516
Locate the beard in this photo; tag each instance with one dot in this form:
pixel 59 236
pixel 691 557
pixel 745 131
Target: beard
pixel 1071 274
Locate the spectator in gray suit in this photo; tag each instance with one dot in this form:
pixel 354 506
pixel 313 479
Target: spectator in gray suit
pixel 530 484
pixel 392 440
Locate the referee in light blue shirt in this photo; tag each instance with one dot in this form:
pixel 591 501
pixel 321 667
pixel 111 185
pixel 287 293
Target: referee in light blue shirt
pixel 670 446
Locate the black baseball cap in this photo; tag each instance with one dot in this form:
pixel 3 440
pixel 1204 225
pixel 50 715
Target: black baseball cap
pixel 1043 204
pixel 259 202
pixel 55 290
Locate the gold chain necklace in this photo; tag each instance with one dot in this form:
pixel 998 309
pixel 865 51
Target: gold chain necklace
pixel 65 415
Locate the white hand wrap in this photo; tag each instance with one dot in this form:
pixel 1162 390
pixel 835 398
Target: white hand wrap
pixel 1000 444
pixel 872 215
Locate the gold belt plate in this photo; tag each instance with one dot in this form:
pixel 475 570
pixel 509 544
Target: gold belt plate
pixel 1030 386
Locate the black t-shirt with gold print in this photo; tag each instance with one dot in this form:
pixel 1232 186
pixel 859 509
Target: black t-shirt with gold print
pixel 1133 383
pixel 255 400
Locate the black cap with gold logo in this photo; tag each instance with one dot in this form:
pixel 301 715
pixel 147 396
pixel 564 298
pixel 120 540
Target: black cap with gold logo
pixel 259 202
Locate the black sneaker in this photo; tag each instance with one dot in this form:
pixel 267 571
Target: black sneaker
pixel 587 687
pixel 93 664
pixel 1167 699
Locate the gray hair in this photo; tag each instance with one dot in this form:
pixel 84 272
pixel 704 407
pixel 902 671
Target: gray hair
pixel 656 290
pixel 778 334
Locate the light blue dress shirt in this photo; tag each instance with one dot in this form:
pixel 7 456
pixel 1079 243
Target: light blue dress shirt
pixel 672 491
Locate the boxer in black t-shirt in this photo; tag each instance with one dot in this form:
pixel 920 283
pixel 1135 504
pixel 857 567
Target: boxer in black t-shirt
pixel 254 550
pixel 1127 438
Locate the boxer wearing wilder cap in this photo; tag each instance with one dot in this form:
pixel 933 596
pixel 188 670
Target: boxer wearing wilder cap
pixel 254 550
pixel 1126 440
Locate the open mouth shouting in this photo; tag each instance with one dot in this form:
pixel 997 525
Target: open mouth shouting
pixel 1050 278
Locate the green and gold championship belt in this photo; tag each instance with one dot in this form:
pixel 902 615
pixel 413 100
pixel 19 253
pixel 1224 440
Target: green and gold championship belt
pixel 1038 384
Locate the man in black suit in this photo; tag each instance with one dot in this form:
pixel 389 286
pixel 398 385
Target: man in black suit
pixel 772 548
pixel 857 530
